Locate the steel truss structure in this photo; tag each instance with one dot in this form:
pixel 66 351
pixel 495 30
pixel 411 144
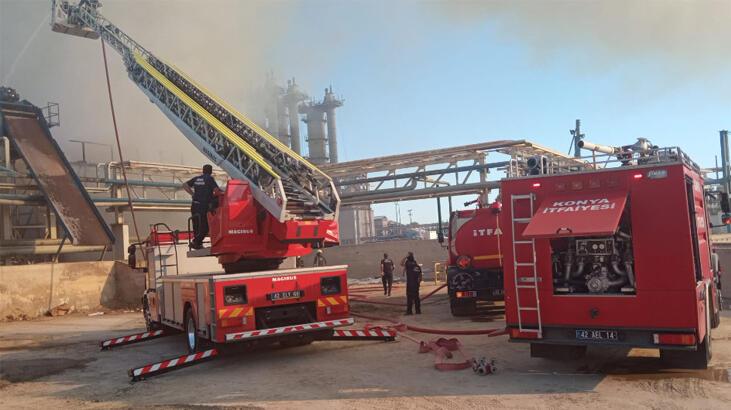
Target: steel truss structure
pixel 284 182
pixel 442 172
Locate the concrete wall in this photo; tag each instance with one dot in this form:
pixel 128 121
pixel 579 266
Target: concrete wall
pixel 28 291
pixel 365 259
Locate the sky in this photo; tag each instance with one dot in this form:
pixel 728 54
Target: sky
pixel 415 75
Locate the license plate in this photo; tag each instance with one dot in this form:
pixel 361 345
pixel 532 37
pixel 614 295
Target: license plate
pixel 591 334
pixel 290 294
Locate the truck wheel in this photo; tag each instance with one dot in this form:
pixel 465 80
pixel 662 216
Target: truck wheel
pixel 683 359
pixel 149 323
pixel 557 352
pixel 697 359
pixel 192 341
pixel 716 320
pixel 462 307
pixel 716 316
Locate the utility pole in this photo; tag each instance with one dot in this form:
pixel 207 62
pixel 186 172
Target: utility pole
pixel 725 167
pixel 577 136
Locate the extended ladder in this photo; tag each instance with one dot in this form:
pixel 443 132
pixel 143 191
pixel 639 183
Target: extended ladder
pixel 283 182
pixel 520 280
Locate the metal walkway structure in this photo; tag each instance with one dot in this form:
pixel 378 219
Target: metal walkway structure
pixel 26 127
pixel 459 170
pixel 286 184
pixel 426 174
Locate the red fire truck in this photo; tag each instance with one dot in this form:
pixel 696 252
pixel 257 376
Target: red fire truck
pixel 474 270
pixel 613 256
pixel 192 294
pixel 252 298
pixel 276 206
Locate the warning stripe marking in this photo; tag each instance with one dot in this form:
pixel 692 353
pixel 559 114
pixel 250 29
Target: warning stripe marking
pixel 167 364
pixel 232 313
pixel 363 333
pixel 130 338
pixel 290 329
pixel 332 301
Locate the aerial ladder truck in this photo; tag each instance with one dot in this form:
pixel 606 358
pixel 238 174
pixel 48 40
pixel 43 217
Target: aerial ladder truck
pixel 276 205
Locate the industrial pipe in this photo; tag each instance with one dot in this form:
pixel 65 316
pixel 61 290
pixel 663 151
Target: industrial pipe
pixel 569 263
pixel 622 274
pixel 579 268
pixel 11 199
pixel 47 249
pixel 606 149
pixel 30 242
pixel 630 273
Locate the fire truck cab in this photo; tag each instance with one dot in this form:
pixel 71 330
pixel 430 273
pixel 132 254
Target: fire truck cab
pixel 612 256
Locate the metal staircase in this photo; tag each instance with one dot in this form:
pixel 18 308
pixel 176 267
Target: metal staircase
pixel 525 282
pixel 286 184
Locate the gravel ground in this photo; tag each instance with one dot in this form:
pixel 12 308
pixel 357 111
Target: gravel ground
pixel 56 363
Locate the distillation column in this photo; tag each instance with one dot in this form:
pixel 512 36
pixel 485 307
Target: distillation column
pixel 292 99
pixel 316 142
pixel 329 104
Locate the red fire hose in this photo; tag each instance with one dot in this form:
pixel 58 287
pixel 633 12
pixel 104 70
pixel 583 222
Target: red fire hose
pixel 362 298
pixel 416 328
pixel 370 288
pixel 442 348
pixel 427 330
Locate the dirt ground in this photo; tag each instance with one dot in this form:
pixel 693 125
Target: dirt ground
pixel 56 363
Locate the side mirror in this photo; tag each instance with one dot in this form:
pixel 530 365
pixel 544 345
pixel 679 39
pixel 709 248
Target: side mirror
pixel 724 203
pixel 715 264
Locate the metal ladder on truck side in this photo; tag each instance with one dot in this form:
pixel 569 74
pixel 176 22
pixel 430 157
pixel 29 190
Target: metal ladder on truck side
pixel 161 269
pixel 525 282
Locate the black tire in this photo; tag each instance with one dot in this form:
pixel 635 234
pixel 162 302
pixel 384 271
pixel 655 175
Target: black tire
pixel 462 307
pixel 697 359
pixel 149 324
pixel 557 352
pixel 684 359
pixel 192 340
pixel 716 317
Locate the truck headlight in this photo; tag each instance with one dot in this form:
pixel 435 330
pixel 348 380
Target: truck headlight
pixel 330 285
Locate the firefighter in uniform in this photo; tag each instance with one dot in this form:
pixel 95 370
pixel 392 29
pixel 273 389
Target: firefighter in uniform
pixel 204 189
pixel 413 281
pixel 386 274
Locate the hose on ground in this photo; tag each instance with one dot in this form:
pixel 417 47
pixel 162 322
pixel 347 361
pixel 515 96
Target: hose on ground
pixel 362 298
pixel 418 329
